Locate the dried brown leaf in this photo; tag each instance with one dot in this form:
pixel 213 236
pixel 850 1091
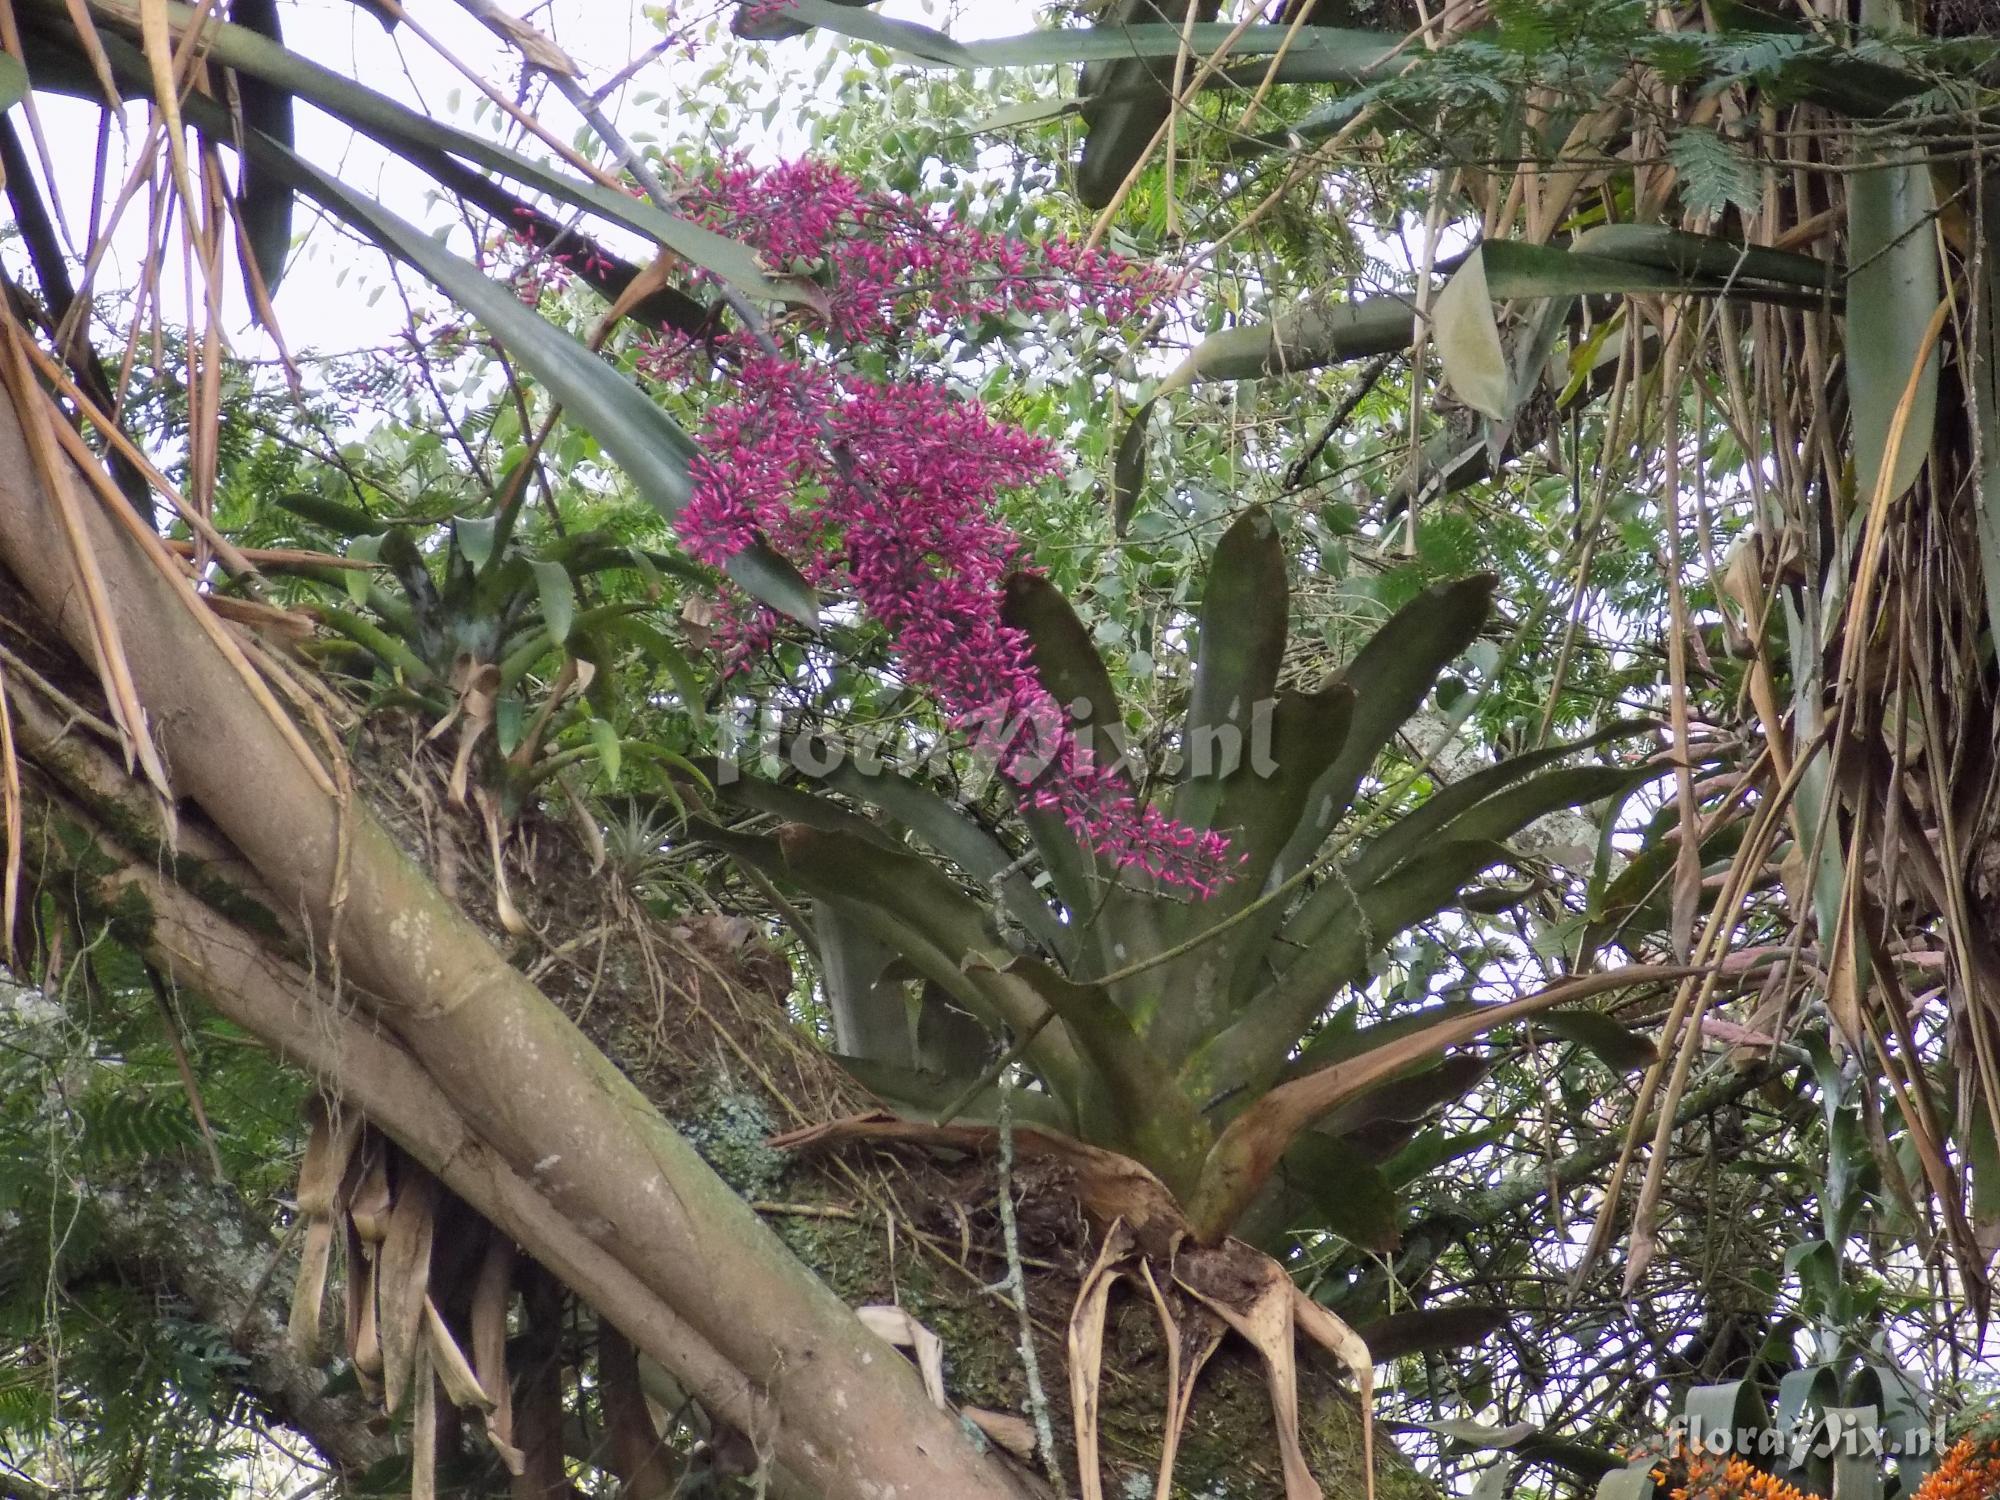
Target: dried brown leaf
pixel 1347 1346
pixel 895 1326
pixel 1253 1294
pixel 1015 1434
pixel 403 1278
pixel 1189 1340
pixel 38 427
pixel 1086 1353
pixel 636 1450
pixel 93 49
pixel 368 1205
pixel 423 1428
pixel 1242 1160
pixel 492 1290
pixel 461 1386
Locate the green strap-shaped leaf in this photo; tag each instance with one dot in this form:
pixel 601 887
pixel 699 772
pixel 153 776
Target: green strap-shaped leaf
pixel 780 22
pixel 663 653
pixel 1253 1049
pixel 853 19
pixel 1063 656
pixel 1127 98
pixel 1262 801
pixel 1706 261
pixel 342 520
pixel 1892 289
pixel 1606 261
pixel 1390 677
pixel 870 1011
pixel 923 1094
pixel 1245 616
pixel 1633 1483
pixel 1468 340
pixel 1127 1091
pixel 558 595
pixel 1340 1039
pixel 403 129
pixel 792 804
pixel 1453 1326
pixel 265 203
pixel 1324 1179
pixel 1506 814
pixel 1426 821
pixel 1617 1046
pixel 1804 1393
pixel 1303 338
pixel 14 82
pixel 959 839
pixel 1106 915
pixel 647 444
pixel 1983 377
pixel 389 650
pixel 1128 466
pixel 1412 1097
pixel 1475 1435
pixel 1259 804
pixel 1857 1465
pixel 1435 1148
pixel 1338 52
pixel 904 901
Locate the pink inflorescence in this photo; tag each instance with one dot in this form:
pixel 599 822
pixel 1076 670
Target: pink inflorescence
pixel 890 265
pixel 887 490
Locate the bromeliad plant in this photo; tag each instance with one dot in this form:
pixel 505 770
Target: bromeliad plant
pixel 475 627
pixel 1190 1032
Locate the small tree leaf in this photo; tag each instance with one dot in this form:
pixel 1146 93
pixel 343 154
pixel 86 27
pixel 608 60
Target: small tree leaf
pixel 558 593
pixel 1621 1050
pixel 608 753
pixel 1351 1197
pixel 1128 468
pixel 331 515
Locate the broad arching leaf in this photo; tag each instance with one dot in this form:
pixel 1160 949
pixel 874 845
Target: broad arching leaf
pixel 1245 609
pixel 1468 341
pixel 1120 126
pixel 265 202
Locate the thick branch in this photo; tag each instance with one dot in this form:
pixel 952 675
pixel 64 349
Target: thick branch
pixel 500 1094
pixel 197 1238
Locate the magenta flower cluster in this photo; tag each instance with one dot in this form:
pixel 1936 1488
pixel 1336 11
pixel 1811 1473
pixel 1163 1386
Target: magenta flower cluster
pixel 891 267
pixel 886 490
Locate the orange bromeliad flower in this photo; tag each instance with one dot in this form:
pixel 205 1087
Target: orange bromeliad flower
pixel 1970 1471
pixel 1712 1477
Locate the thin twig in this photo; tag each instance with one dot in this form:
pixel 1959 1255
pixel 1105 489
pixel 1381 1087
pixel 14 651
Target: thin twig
pixel 1017 1286
pixel 994 1074
pixel 1295 476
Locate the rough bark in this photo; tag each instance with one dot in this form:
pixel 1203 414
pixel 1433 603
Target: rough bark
pixel 545 1109
pixel 728 1078
pixel 168 1225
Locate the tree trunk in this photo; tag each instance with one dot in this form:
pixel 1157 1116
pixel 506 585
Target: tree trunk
pixel 535 1098
pixel 169 1226
pixel 299 916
